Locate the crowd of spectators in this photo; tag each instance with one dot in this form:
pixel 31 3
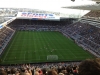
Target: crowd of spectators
pixel 84 34
pixel 5 34
pixel 42 69
pixel 37 25
pixel 86 67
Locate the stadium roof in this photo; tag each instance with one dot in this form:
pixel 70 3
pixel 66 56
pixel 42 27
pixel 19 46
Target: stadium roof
pixel 85 7
pixel 48 5
pixel 11 7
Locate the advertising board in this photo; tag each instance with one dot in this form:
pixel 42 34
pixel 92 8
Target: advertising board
pixel 38 16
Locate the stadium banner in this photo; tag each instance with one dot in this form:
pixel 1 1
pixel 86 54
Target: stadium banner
pixel 37 16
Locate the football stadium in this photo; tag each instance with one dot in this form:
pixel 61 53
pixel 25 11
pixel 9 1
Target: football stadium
pixel 36 41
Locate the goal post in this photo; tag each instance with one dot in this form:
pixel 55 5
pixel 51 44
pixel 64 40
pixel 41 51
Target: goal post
pixel 52 57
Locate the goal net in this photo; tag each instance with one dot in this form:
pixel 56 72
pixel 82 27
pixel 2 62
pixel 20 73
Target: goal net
pixel 52 57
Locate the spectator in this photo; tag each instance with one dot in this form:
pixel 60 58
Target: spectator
pixel 52 72
pixel 3 72
pixel 90 67
pixel 25 71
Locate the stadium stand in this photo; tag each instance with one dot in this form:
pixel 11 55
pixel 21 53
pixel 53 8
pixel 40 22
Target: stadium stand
pixel 42 69
pixel 37 25
pixel 5 35
pixel 69 68
pixel 84 34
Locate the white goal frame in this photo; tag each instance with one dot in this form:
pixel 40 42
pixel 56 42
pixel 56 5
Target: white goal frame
pixel 52 57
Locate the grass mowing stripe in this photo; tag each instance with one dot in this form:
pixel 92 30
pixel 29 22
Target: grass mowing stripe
pixel 60 51
pixel 38 56
pixel 73 53
pixel 26 42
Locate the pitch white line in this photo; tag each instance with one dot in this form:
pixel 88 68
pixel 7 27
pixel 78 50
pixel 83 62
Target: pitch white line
pixel 24 55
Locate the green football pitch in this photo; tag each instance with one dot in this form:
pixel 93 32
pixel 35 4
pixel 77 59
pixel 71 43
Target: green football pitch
pixel 42 46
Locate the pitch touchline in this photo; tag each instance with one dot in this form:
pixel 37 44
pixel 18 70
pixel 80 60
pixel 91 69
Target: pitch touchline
pixel 25 60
